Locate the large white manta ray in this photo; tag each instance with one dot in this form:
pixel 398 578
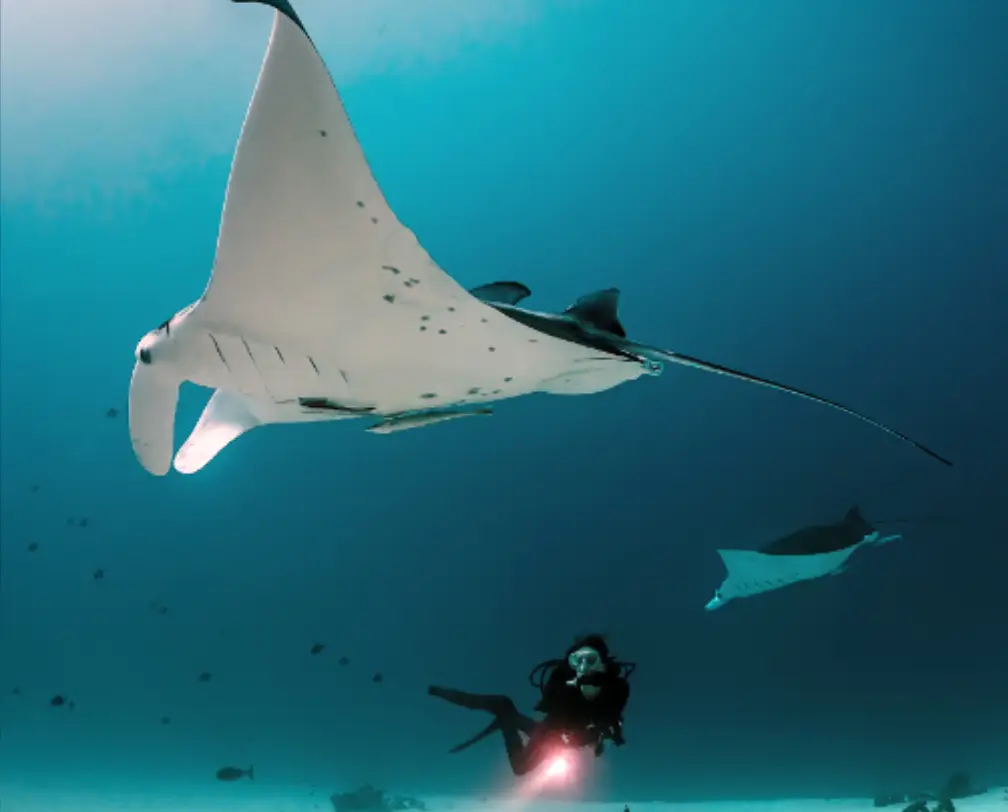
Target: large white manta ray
pixel 322 305
pixel 809 553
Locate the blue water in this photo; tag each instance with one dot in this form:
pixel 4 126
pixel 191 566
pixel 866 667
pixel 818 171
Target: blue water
pixel 813 192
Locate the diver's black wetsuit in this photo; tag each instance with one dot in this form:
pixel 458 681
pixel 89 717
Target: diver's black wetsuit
pixel 571 719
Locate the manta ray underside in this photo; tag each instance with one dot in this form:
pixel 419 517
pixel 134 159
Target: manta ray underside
pixel 323 306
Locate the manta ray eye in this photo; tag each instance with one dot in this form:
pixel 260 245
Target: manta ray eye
pixel 144 356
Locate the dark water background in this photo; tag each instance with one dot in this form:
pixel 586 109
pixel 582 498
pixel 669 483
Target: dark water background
pixel 815 192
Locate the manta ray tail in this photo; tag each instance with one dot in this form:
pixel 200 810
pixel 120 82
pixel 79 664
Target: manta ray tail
pixel 708 366
pixel 153 397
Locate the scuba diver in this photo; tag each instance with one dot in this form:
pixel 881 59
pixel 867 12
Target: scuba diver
pixel 583 697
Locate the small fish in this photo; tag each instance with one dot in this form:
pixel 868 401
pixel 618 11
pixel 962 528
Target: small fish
pixel 344 660
pixel 111 412
pixel 99 574
pixel 234 773
pixel 57 701
pixel 317 648
pixel 206 676
pixel 377 678
pixel 33 547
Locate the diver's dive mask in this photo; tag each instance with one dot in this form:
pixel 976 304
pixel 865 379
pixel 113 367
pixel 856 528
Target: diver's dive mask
pixel 584 662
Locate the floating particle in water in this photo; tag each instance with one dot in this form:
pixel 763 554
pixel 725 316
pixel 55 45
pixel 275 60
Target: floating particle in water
pixel 344 660
pixel 377 678
pixel 32 547
pixel 111 412
pixel 57 701
pixel 99 574
pixel 317 648
pixel 165 720
pixel 205 676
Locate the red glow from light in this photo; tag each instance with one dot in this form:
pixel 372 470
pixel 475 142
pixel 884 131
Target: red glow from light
pixel 558 768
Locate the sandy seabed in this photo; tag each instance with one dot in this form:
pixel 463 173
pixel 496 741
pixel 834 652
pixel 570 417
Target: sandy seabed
pixel 251 797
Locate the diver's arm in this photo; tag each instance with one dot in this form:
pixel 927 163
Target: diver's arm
pixel 616 694
pixel 554 686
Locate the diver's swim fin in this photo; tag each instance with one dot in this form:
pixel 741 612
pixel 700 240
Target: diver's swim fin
pixel 497 705
pixel 506 719
pixel 490 728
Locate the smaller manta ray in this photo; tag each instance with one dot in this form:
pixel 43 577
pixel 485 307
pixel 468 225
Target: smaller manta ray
pixel 801 556
pixel 322 305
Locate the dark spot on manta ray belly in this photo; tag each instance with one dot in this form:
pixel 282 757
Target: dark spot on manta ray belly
pixel 429 395
pixel 323 133
pixel 425 318
pixel 388 297
pixel 423 329
pixel 442 332
pixel 360 204
pixel 508 380
pixel 451 309
pixel 492 349
pixel 473 390
pixel 391 269
pixel 374 220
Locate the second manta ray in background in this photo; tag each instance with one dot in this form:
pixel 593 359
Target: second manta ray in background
pixel 801 556
pixel 323 306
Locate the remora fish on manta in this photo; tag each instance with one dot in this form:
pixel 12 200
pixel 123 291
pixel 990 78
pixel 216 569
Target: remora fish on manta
pixel 800 556
pixel 322 306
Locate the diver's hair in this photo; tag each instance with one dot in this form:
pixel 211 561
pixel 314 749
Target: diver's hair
pixel 595 641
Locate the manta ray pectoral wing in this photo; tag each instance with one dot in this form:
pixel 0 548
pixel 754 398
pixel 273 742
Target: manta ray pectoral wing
pixel 599 310
pixel 508 293
pixel 153 398
pixel 309 252
pixel 708 366
pixel 312 260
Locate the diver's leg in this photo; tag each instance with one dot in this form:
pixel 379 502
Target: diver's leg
pixel 529 755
